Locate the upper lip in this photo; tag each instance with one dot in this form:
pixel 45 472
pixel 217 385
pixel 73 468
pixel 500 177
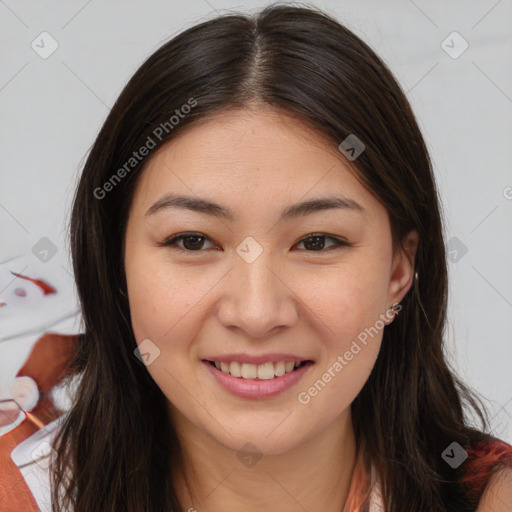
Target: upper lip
pixel 260 359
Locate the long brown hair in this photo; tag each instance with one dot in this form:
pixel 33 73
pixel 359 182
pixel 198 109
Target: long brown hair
pixel 116 444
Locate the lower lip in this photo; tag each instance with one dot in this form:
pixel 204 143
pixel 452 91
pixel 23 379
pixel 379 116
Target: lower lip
pixel 256 388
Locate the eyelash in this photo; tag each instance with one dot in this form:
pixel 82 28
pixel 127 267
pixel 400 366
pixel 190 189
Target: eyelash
pixel 171 242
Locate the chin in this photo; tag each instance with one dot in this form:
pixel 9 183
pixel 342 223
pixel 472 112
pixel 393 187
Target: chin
pixel 259 445
pixel 264 438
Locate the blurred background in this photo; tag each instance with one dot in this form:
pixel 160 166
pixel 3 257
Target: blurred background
pixel 63 64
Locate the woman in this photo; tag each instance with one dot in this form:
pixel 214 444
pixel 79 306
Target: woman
pixel 258 250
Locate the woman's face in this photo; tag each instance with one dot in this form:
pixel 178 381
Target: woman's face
pixel 250 283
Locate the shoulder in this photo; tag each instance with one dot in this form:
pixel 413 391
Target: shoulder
pixel 488 473
pixel 497 496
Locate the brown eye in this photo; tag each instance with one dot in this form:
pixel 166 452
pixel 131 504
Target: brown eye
pixel 192 242
pixel 316 242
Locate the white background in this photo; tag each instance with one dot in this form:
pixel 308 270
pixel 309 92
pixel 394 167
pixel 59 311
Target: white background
pixel 51 110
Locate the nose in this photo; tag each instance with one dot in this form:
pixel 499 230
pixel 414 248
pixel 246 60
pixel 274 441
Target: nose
pixel 257 299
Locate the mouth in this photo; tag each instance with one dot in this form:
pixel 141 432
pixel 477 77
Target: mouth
pixel 255 372
pixel 257 381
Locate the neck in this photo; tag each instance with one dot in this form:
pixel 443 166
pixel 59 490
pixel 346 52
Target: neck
pixel 315 475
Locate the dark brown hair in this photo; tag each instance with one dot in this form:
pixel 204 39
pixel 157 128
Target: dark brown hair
pixel 117 441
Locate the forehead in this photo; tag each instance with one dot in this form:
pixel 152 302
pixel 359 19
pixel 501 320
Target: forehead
pixel 251 157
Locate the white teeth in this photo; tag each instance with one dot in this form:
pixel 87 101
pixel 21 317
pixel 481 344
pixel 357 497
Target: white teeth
pixel 235 368
pixel 279 369
pixel 249 371
pixel 264 371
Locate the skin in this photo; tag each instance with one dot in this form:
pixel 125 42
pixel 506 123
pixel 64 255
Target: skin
pixel 498 495
pixel 293 298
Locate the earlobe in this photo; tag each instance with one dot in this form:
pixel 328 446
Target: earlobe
pixel 403 272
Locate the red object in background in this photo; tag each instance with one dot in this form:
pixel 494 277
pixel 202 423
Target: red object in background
pixel 48 360
pixel 47 289
pixel 47 364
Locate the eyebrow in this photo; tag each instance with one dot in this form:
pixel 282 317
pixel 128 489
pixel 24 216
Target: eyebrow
pixel 294 211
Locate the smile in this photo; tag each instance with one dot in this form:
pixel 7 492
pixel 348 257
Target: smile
pixel 264 371
pixel 265 380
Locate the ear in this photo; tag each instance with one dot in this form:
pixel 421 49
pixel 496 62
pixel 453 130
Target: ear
pixel 402 272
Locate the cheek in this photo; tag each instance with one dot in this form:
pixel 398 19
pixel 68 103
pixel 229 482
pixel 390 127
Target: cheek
pixel 157 299
pixel 347 300
pixel 350 305
pixel 339 382
pixel 352 344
